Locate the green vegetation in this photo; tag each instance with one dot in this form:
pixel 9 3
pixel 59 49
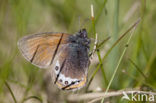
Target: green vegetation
pixel 130 59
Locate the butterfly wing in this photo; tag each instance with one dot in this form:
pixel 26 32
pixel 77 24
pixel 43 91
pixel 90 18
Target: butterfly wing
pixel 69 69
pixel 40 49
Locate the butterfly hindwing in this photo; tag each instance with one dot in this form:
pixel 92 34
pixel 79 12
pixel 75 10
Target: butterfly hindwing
pixel 40 49
pixel 69 69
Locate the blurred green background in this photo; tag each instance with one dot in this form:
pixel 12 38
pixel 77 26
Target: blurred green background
pixel 112 18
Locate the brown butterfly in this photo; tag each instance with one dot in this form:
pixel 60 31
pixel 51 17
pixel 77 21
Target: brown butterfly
pixel 66 55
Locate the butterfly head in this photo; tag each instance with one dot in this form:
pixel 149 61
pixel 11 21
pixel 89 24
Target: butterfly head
pixel 81 37
pixel 82 33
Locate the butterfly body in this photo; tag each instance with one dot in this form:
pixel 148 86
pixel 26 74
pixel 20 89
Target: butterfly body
pixel 66 55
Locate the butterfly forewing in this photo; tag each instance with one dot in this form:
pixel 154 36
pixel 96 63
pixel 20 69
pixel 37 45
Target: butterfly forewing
pixel 40 49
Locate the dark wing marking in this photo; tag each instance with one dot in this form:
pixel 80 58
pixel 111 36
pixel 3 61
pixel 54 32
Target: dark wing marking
pixel 60 71
pixel 68 86
pixel 34 54
pixel 56 48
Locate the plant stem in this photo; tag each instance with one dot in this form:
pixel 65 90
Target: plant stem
pixel 115 71
pixel 11 92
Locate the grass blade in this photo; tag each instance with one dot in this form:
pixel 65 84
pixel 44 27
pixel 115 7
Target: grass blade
pixel 138 69
pixel 11 92
pixel 120 59
pixel 33 97
pixel 108 52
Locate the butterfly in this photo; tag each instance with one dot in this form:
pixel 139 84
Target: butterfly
pixel 67 56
